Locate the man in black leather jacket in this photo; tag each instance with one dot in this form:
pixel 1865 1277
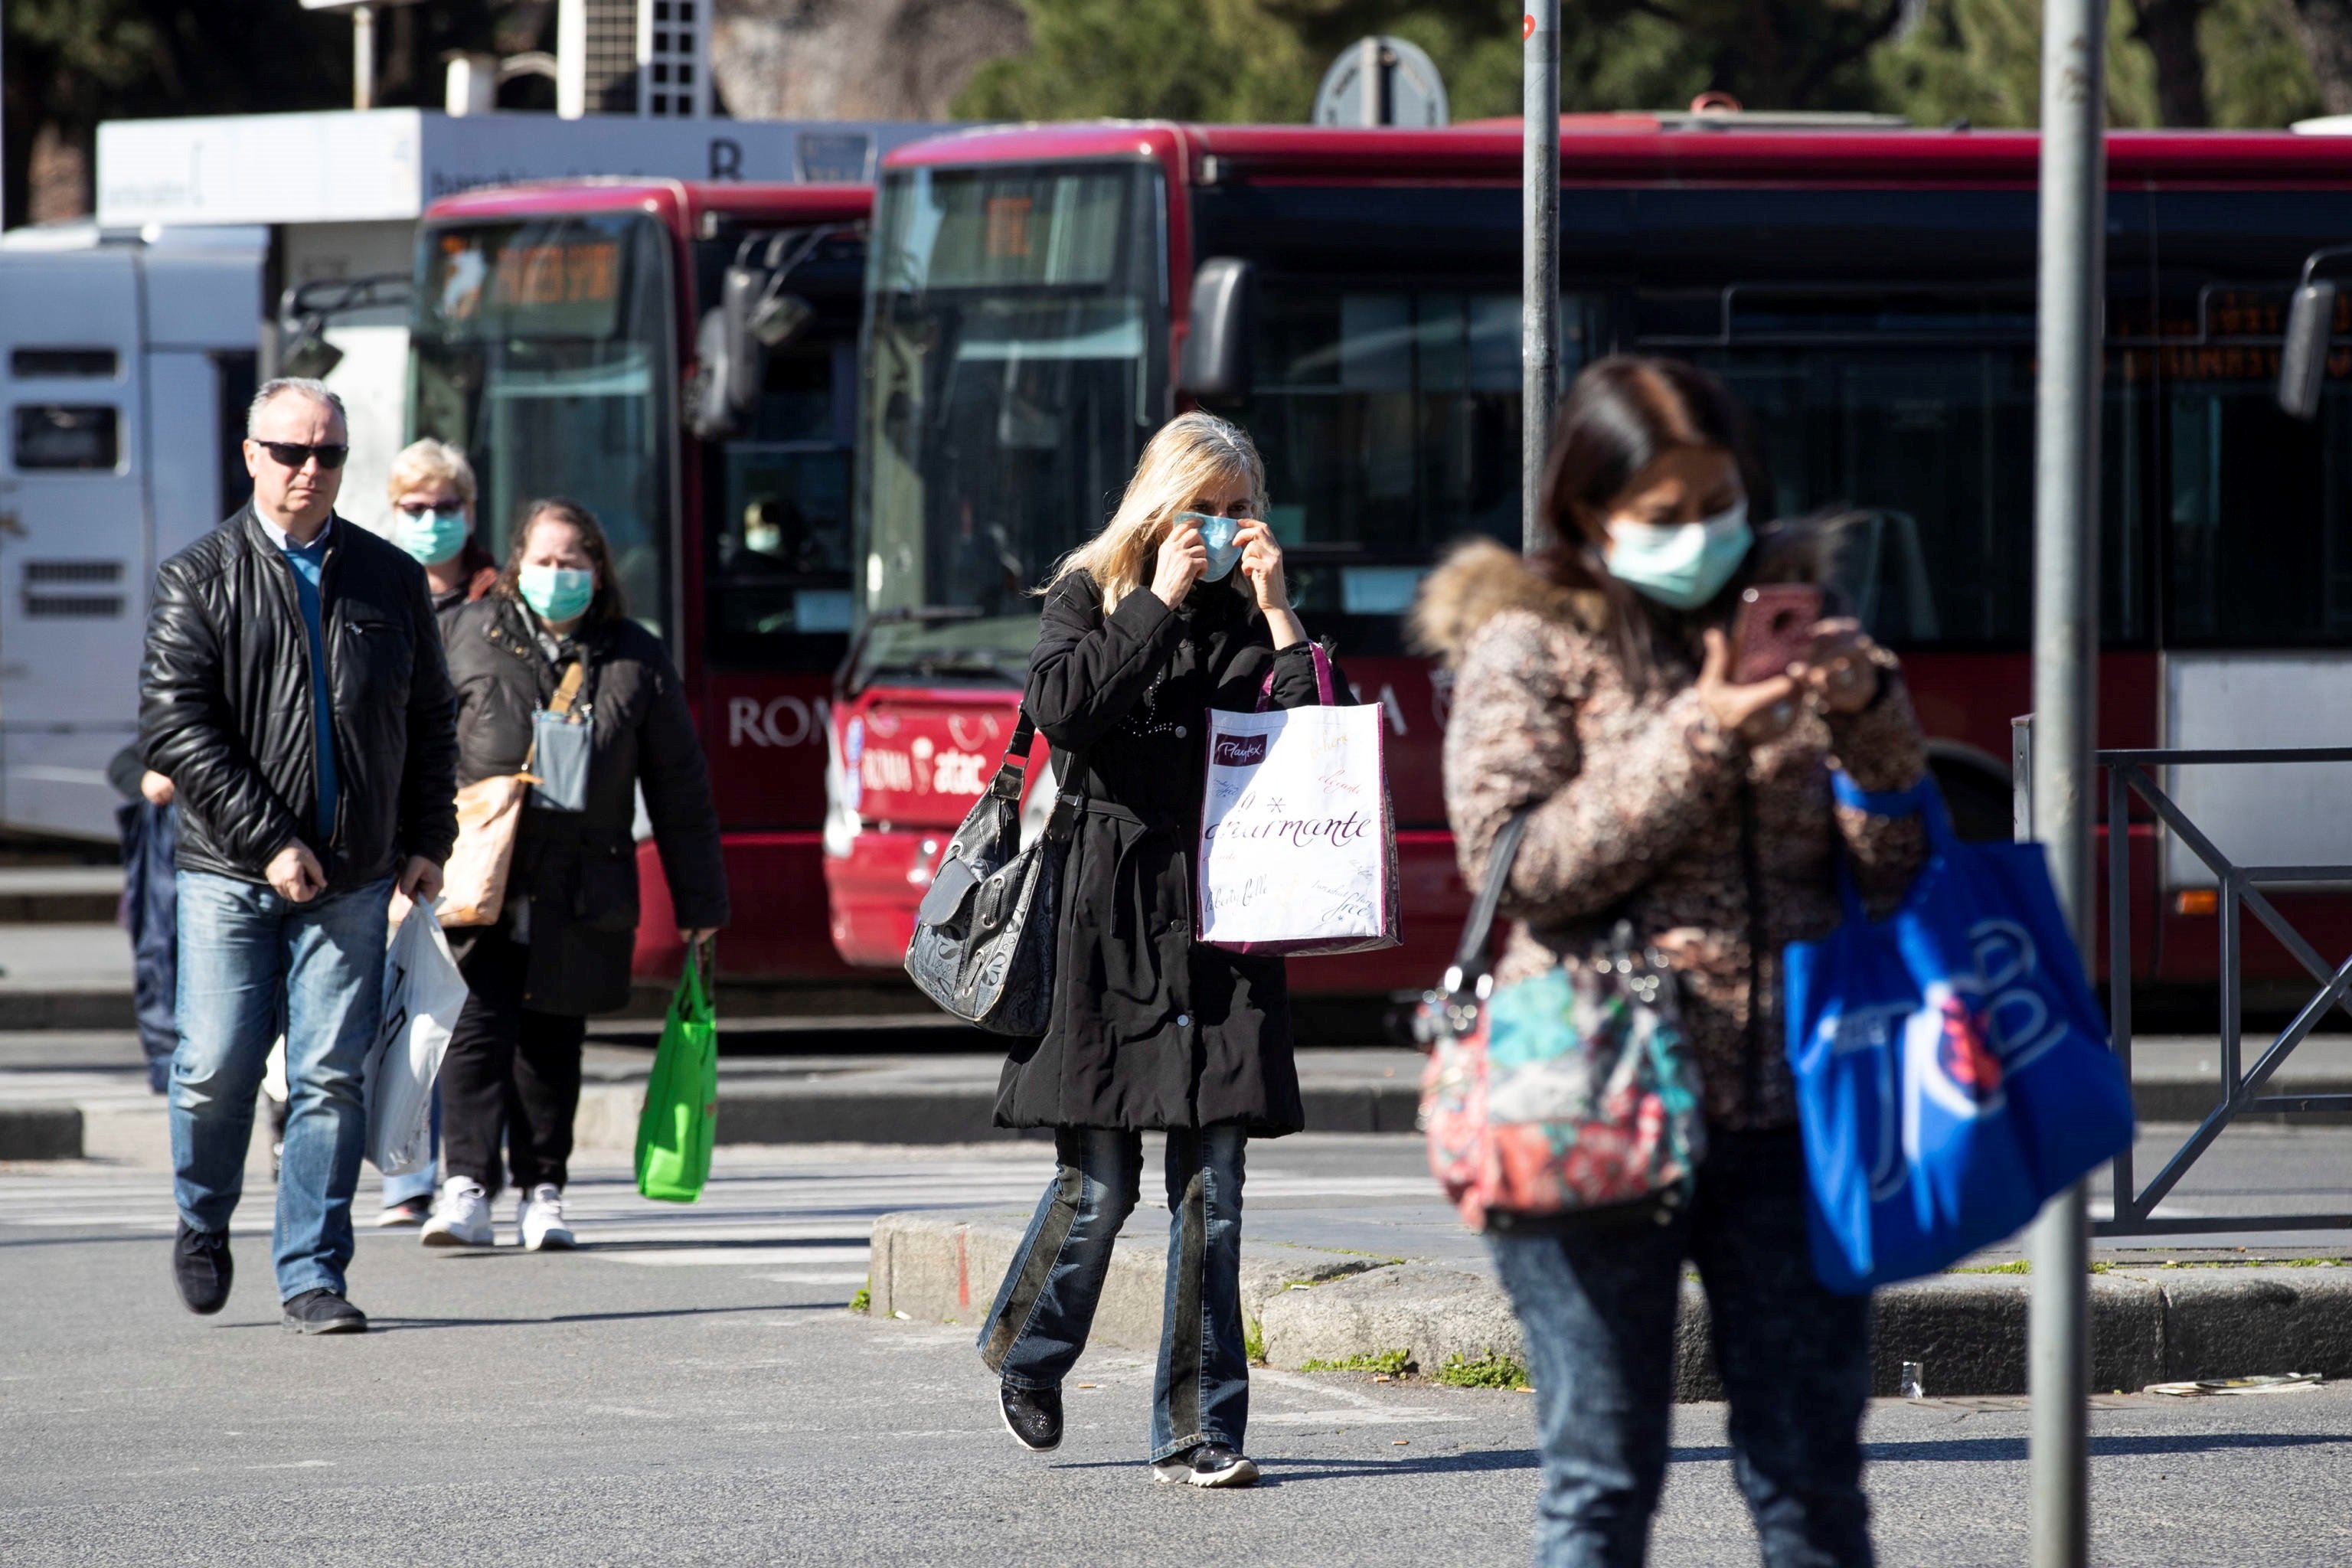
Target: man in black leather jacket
pixel 294 692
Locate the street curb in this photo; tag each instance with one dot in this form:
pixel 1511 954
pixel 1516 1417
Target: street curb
pixel 847 1111
pixel 59 907
pixel 1968 1331
pixel 40 1133
pixel 945 1267
pixel 94 1009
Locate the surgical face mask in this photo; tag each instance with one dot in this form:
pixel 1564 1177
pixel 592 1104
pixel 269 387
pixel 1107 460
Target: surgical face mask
pixel 432 537
pixel 1680 564
pixel 557 593
pixel 1217 534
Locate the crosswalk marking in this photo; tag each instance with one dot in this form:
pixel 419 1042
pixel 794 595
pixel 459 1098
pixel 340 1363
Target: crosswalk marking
pixel 804 1216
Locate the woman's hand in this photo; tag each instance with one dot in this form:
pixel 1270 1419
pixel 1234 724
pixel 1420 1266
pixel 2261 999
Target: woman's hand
pixel 1262 564
pixel 1841 676
pixel 1183 556
pixel 689 935
pixel 1759 711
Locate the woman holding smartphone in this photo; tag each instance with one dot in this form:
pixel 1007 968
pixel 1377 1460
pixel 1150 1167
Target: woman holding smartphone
pixel 1595 688
pixel 1176 606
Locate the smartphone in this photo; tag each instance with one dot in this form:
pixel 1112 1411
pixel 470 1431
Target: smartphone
pixel 1775 630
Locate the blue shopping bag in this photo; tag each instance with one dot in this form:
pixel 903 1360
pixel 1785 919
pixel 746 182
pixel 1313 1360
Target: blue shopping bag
pixel 1952 1065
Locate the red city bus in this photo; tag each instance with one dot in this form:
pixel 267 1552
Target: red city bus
pixel 1040 299
pixel 554 330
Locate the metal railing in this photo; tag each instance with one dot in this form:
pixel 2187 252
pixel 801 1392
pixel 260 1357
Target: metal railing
pixel 2238 892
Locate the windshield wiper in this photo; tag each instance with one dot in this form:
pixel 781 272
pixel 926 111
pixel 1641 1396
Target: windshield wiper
pixel 845 682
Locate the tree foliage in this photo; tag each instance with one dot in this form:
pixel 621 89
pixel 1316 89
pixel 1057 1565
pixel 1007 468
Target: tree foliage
pixel 70 64
pixel 2239 63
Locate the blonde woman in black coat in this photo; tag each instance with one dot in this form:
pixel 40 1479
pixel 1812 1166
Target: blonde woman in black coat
pixel 1178 607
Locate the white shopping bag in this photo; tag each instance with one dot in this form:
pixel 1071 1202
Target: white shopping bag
pixel 422 993
pixel 1298 851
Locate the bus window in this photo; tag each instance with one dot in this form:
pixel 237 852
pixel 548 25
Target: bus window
pixel 1015 367
pixel 1929 448
pixel 2259 506
pixel 1389 419
pixel 543 349
pixel 777 564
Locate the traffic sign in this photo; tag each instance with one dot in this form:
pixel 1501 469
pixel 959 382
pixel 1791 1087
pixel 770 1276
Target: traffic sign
pixel 1381 80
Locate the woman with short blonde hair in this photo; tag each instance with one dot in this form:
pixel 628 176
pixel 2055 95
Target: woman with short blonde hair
pixel 432 493
pixel 1178 607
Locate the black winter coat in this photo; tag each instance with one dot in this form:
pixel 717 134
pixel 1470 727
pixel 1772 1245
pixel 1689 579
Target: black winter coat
pixel 225 706
pixel 579 868
pixel 1148 1029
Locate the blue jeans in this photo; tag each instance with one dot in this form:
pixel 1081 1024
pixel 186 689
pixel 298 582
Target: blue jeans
pixel 1047 1305
pixel 244 954
pixel 1598 1308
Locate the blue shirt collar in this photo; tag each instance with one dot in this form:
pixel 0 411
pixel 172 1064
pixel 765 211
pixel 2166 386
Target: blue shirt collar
pixel 284 540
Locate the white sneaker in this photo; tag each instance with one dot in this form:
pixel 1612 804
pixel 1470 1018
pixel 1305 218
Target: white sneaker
pixel 539 1219
pixel 462 1217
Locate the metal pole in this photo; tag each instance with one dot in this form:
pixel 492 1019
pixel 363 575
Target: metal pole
pixel 363 56
pixel 2065 701
pixel 1539 270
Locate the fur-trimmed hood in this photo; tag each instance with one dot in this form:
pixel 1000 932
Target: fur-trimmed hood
pixel 1478 580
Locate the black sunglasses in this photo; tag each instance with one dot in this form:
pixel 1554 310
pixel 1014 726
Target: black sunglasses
pixel 293 455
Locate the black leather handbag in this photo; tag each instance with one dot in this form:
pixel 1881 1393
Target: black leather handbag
pixel 983 943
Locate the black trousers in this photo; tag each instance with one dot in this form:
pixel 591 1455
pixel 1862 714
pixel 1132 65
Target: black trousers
pixel 511 1076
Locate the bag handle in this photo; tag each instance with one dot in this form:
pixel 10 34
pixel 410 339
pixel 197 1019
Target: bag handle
pixel 1470 955
pixel 1924 800
pixel 567 690
pixel 1322 679
pixel 1012 772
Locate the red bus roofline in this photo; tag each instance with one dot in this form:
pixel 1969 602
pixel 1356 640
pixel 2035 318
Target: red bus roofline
pixel 1640 149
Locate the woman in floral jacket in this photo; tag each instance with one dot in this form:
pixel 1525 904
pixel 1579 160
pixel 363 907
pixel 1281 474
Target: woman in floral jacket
pixel 1593 688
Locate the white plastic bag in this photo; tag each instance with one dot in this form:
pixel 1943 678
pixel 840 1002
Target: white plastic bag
pixel 1298 852
pixel 423 994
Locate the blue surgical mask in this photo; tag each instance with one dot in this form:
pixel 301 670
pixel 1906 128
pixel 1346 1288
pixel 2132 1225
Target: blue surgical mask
pixel 432 537
pixel 557 593
pixel 1217 534
pixel 1680 564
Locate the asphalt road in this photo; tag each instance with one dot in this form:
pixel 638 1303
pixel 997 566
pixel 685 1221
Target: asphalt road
pixel 569 1409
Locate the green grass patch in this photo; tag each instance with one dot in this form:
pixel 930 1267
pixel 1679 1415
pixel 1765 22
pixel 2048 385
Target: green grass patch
pixel 1253 1341
pixel 1395 1363
pixel 1488 1371
pixel 864 1301
pixel 2019 1267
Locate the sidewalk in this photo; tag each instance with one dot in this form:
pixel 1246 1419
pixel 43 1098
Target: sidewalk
pixel 1392 1277
pixel 65 1094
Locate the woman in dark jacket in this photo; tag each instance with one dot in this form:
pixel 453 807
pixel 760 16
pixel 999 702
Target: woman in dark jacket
pixel 560 951
pixel 1145 629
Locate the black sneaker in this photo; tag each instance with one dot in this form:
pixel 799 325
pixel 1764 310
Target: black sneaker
pixel 202 1269
pixel 324 1312
pixel 1034 1417
pixel 1209 1465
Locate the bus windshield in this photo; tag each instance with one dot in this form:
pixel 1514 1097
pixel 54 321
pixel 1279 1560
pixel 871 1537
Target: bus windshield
pixel 1017 325
pixel 541 349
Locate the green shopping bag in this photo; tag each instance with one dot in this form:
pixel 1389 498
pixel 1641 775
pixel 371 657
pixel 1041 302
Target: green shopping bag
pixel 682 1098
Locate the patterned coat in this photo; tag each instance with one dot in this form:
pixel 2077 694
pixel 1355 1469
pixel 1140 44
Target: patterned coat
pixel 1645 810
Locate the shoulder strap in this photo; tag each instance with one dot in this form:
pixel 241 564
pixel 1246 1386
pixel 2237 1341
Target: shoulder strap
pixel 1013 773
pixel 1470 957
pixel 1322 678
pixel 567 690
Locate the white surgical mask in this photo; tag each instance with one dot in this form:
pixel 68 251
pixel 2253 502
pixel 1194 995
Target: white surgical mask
pixel 1680 564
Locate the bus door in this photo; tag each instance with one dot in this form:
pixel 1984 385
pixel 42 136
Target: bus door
pixel 2257 560
pixel 74 534
pixel 776 550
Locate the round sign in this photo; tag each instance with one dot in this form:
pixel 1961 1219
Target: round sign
pixel 1381 80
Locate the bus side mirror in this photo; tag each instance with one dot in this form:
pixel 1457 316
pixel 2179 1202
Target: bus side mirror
pixel 1224 329
pixel 731 360
pixel 2303 356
